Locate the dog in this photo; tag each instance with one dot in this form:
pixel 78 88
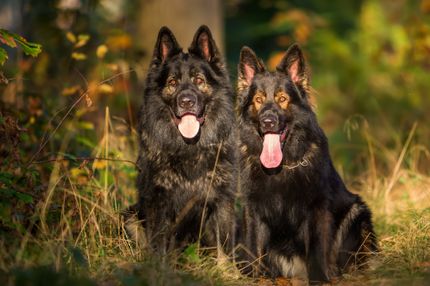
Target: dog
pixel 187 159
pixel 299 220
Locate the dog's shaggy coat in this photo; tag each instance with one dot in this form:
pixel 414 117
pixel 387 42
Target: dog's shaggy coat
pixel 187 157
pixel 300 220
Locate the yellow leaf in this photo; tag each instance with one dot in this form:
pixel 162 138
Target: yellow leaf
pixel 101 51
pixel 70 90
pixel 74 172
pixel 71 37
pixel 99 164
pixel 112 67
pixel 105 88
pixel 82 40
pixel 119 42
pixel 86 125
pixel 79 56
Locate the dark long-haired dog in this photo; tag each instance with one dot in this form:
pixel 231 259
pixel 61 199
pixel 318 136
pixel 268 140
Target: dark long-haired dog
pixel 300 220
pixel 187 177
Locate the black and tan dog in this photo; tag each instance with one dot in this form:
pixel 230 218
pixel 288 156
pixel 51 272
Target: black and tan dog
pixel 187 160
pixel 300 220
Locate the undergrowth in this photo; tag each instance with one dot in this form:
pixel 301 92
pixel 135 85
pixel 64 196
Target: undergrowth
pixel 61 222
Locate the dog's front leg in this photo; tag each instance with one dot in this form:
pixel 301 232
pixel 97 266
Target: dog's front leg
pixel 318 257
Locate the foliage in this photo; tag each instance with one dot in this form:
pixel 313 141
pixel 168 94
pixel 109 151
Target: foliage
pixel 12 40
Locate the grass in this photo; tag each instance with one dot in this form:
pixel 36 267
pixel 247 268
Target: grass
pixel 76 235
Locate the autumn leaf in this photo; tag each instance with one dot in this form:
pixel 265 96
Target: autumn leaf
pixel 79 56
pixel 105 88
pixel 71 37
pixel 70 90
pixel 119 42
pixel 101 51
pixel 99 164
pixel 7 39
pixel 82 40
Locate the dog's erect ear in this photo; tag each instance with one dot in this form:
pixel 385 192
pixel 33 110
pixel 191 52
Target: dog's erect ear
pixel 293 64
pixel 249 66
pixel 166 45
pixel 204 46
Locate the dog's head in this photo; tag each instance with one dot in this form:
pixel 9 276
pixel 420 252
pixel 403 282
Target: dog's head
pixel 275 102
pixel 186 84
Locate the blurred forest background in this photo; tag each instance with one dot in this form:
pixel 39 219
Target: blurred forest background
pixel 68 116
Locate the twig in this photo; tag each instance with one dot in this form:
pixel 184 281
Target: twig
pixel 208 192
pixel 400 160
pixel 87 159
pixel 86 93
pixel 106 139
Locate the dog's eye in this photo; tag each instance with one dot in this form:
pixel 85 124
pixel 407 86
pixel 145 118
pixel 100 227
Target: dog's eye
pixel 172 82
pixel 198 81
pixel 282 99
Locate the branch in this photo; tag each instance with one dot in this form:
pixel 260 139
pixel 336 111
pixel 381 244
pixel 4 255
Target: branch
pixel 86 159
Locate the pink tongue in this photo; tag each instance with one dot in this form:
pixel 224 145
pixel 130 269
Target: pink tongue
pixel 189 126
pixel 271 156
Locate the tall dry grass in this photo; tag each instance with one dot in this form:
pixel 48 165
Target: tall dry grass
pixel 77 235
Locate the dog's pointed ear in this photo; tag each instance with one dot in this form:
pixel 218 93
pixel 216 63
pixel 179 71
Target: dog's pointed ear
pixel 249 66
pixel 293 63
pixel 203 45
pixel 166 45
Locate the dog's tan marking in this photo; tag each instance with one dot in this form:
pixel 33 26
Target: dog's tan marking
pixel 289 267
pixel 171 84
pixel 282 99
pixel 244 149
pixel 258 99
pixel 343 231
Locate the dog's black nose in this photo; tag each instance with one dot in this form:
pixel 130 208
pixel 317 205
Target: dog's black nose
pixel 186 101
pixel 268 122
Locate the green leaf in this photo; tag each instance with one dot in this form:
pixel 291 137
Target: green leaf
pixel 86 125
pixel 5 212
pixel 67 155
pixel 12 40
pixel 6 193
pixel 3 56
pixel 6 178
pixel 31 49
pixel 85 141
pixel 191 253
pixel 24 197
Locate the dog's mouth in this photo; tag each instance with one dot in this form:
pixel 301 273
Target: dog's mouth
pixel 188 124
pixel 273 143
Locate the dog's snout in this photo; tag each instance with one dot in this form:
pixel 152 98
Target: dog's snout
pixel 186 101
pixel 268 122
